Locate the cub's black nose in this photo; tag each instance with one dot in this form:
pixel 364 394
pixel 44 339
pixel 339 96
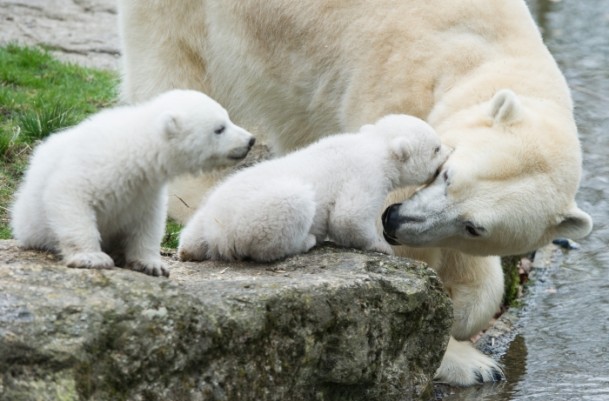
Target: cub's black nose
pixel 391 219
pixel 252 142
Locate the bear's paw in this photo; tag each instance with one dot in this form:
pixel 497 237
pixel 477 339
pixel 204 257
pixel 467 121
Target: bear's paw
pixel 150 267
pixel 89 260
pixel 463 365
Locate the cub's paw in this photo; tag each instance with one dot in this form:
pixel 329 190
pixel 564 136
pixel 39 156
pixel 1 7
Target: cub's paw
pixel 150 267
pixel 89 260
pixel 463 365
pixel 309 243
pixel 382 247
pixel 192 252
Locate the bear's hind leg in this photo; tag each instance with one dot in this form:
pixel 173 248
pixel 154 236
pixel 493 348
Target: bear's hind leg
pixel 74 225
pixel 282 220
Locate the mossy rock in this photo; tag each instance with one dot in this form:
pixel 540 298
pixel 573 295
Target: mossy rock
pixel 333 324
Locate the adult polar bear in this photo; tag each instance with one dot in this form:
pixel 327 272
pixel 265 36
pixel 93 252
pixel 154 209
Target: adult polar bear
pixel 302 69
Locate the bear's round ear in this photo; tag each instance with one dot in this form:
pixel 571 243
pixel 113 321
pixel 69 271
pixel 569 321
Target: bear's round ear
pixel 171 124
pixel 401 149
pixel 506 107
pixel 574 225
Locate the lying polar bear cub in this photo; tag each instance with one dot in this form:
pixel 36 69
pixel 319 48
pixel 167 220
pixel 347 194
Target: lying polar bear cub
pixel 99 188
pixel 334 188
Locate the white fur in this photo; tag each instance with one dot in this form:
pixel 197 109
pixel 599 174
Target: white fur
pixel 464 365
pixel 476 70
pixel 98 189
pixel 333 188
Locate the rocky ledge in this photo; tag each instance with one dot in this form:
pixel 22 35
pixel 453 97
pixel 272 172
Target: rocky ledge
pixel 333 324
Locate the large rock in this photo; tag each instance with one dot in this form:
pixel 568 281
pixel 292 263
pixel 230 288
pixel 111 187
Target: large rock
pixel 334 324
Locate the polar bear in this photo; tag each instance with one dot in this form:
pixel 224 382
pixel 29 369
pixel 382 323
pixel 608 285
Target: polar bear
pixel 98 189
pixel 293 202
pixel 477 71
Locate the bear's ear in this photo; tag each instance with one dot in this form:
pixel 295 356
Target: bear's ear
pixel 401 149
pixel 574 225
pixel 171 124
pixel 506 107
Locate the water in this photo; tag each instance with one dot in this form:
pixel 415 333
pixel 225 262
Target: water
pixel 562 350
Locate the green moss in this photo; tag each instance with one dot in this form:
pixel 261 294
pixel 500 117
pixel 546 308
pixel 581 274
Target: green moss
pixel 511 280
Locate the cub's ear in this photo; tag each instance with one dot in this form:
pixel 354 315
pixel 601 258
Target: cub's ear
pixel 506 107
pixel 574 225
pixel 401 149
pixel 172 124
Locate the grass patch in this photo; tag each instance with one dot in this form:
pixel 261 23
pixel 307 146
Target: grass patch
pixel 172 234
pixel 38 96
pixel 39 124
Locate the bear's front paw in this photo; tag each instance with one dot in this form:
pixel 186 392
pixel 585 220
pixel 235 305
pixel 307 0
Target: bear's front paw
pixel 463 365
pixel 149 267
pixel 89 260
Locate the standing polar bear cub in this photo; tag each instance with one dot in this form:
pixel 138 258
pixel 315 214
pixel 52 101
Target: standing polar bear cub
pixel 98 189
pixel 334 188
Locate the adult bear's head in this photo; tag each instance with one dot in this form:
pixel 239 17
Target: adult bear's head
pixel 507 188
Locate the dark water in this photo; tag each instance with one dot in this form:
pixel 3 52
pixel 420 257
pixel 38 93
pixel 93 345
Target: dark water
pixel 562 350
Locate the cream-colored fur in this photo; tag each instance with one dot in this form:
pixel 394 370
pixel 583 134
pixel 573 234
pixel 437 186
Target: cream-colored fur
pixel 300 69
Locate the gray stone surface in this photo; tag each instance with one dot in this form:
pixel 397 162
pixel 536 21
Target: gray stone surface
pixel 79 31
pixel 334 324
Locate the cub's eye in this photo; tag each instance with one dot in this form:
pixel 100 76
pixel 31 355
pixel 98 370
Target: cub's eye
pixel 437 173
pixel 219 130
pixel 436 150
pixel 472 230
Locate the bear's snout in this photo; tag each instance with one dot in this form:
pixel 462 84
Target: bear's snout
pixel 241 152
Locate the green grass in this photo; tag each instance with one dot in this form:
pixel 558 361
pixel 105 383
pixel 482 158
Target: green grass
pixel 40 95
pixel 172 234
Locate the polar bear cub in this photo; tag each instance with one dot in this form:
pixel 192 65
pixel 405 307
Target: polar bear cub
pixel 334 188
pixel 98 189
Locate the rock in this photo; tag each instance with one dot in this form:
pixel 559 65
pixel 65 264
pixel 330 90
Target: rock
pixel 333 324
pixel 78 31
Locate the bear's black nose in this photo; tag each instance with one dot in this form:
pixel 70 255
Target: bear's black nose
pixel 391 220
pixel 252 142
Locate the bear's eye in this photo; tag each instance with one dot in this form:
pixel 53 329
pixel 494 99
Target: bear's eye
pixel 472 230
pixel 436 150
pixel 219 130
pixel 436 174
